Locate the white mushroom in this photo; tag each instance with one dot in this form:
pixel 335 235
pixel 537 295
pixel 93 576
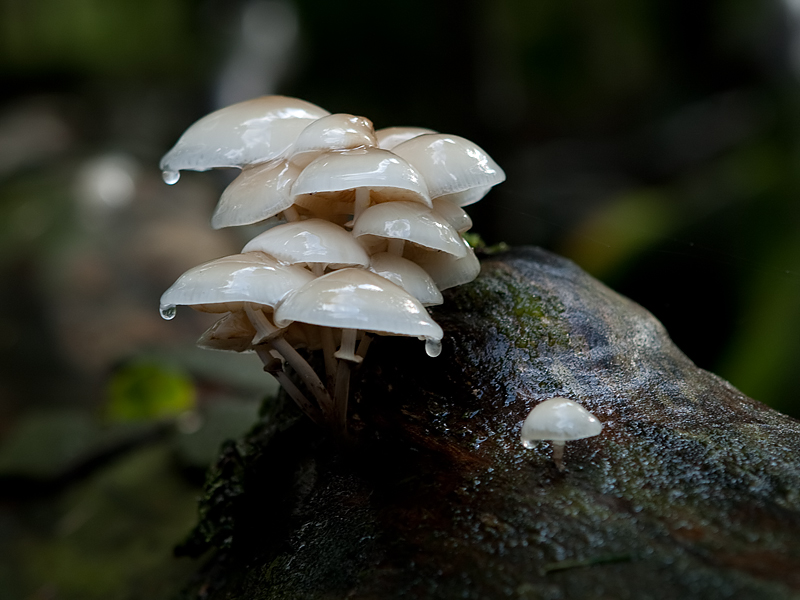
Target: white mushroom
pixel 558 420
pixel 452 166
pixel 314 242
pixel 356 299
pixel 249 132
pixel 327 175
pixel 447 270
pixel 249 283
pixel 401 222
pixel 356 178
pixel 334 132
pixel 408 275
pixel 453 214
pixel 235 333
pixel 389 137
pixel 227 283
pixel 259 192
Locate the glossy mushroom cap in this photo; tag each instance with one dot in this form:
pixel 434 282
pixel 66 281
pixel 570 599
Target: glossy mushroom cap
pixel 452 166
pixel 313 241
pixel 334 132
pixel 559 420
pixel 410 222
pixel 358 299
pixel 408 275
pixel 453 214
pixel 389 137
pixel 449 271
pixel 259 192
pixel 249 132
pixel 388 176
pixel 224 284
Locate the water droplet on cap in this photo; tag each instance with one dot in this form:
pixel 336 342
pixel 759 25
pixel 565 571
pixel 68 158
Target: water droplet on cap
pixel 168 311
pixel 170 177
pixel 528 444
pixel 433 347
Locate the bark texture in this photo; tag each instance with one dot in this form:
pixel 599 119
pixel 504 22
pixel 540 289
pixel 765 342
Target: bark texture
pixel 692 490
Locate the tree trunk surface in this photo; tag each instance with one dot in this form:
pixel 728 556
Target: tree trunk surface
pixel 692 490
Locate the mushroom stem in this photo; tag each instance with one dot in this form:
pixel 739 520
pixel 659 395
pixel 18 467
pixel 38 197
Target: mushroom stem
pixel 362 202
pixel 264 329
pixel 291 214
pixel 558 455
pixel 363 345
pixel 328 351
pixel 346 356
pixel 347 351
pixel 304 370
pixel 395 246
pixel 290 355
pixel 341 397
pixel 311 411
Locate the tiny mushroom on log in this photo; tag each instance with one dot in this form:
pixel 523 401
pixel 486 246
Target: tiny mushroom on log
pixel 558 420
pixel 371 236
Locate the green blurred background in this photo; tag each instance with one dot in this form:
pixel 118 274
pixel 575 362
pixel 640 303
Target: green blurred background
pixel 656 143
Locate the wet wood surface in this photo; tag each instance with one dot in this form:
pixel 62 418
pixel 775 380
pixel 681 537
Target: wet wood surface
pixel 692 490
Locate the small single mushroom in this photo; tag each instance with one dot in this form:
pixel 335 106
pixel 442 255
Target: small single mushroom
pixel 558 420
pixel 249 132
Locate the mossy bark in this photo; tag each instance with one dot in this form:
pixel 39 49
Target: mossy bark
pixel 692 490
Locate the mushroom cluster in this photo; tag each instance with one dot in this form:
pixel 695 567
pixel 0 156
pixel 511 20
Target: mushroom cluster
pixel 369 233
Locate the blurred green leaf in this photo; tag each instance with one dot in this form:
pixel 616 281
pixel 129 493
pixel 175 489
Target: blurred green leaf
pixel 142 391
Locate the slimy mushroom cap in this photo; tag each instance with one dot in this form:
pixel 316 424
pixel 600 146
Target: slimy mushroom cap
pixel 559 420
pixel 387 176
pixel 333 132
pixel 234 332
pixel 446 270
pixel 358 299
pixel 259 192
pixel 410 222
pixel 452 213
pixel 311 241
pixel 389 137
pixel 249 132
pixel 224 284
pixel 408 275
pixel 451 164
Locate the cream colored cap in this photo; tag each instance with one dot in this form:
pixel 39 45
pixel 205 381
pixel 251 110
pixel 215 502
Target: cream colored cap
pixel 224 284
pixel 249 132
pixel 559 420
